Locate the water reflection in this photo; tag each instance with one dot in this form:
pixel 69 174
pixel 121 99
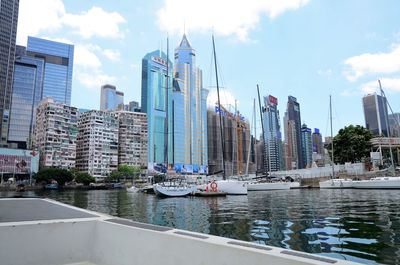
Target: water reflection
pixel 356 225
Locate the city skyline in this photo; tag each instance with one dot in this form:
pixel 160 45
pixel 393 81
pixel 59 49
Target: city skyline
pixel 294 49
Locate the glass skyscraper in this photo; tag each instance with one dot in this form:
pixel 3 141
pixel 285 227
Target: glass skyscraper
pixel 8 29
pixel 26 95
pixel 110 98
pixel 190 110
pixel 376 114
pixel 154 78
pixel 58 58
pixel 272 134
pixel 307 147
pixel 292 126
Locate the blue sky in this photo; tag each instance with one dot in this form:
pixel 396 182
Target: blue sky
pixel 305 48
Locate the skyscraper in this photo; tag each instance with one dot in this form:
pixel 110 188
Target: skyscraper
pixel 26 95
pixel 306 144
pixel 58 58
pixel 154 103
pixel 8 29
pixel 272 134
pixel 376 114
pixel 394 124
pixel 110 98
pixel 317 143
pixel 190 109
pixel 292 127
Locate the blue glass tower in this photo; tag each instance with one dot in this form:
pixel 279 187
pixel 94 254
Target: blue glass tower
pixel 58 58
pixel 26 95
pixel 190 110
pixel 154 77
pixel 306 144
pixel 272 134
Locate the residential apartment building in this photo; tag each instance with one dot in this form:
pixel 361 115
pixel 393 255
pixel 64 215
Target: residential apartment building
pixel 132 138
pixel 56 132
pixel 97 143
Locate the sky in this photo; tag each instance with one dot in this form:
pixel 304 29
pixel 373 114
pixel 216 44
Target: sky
pixel 309 49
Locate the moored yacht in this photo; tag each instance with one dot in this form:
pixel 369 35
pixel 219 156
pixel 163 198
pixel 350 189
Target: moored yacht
pixel 378 183
pixel 275 185
pixel 336 184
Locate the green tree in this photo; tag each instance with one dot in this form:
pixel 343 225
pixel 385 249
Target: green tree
pixel 351 144
pixel 58 174
pixel 84 178
pixel 124 172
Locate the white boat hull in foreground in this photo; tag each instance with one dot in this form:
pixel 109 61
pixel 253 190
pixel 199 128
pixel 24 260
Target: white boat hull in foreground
pixel 174 190
pixel 232 187
pixel 378 183
pixel 336 184
pixel 259 186
pixel 69 235
pixel 294 184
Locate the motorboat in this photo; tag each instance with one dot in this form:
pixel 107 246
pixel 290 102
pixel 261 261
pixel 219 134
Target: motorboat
pixel 268 185
pixel 378 183
pixel 69 235
pixel 174 189
pixel 336 184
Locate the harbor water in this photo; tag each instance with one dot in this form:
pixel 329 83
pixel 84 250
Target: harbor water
pixel 356 225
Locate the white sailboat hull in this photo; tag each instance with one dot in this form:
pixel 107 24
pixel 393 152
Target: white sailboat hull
pixel 232 187
pixel 378 183
pixel 294 184
pixel 174 190
pixel 336 184
pixel 268 186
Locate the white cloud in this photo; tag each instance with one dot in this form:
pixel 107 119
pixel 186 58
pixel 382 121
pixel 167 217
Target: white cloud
pixel 112 55
pixel 227 99
pixel 373 63
pixel 48 16
pixel 38 16
pixel 95 22
pixel 388 85
pixel 94 80
pixel 225 17
pixel 85 57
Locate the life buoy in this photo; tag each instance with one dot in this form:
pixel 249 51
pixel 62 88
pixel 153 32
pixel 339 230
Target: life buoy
pixel 214 186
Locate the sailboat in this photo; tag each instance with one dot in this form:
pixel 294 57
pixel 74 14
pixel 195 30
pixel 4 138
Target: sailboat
pixel 230 186
pixel 172 187
pixel 267 183
pixel 334 183
pixel 386 182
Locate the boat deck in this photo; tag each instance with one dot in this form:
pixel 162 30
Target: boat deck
pixel 46 232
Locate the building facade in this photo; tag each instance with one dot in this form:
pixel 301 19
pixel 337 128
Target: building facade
pixel 376 114
pixel 394 124
pixel 307 147
pixel 292 127
pixel 190 109
pixel 132 138
pixel 56 129
pixel 156 103
pixel 8 29
pixel 26 95
pixel 58 67
pixel 97 143
pixel 272 134
pixel 110 98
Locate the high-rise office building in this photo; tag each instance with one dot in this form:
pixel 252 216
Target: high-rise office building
pixel 154 103
pixel 56 129
pixel 110 98
pixel 97 143
pixel 394 124
pixel 59 60
pixel 26 95
pixel 133 106
pixel 376 114
pixel 8 29
pixel 272 134
pixel 306 144
pixel 292 127
pixel 190 109
pixel 317 143
pixel 132 138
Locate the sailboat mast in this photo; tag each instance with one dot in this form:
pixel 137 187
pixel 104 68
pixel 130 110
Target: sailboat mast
pixel 262 128
pixel 383 95
pixel 219 110
pixel 166 134
pixel 330 118
pixel 255 135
